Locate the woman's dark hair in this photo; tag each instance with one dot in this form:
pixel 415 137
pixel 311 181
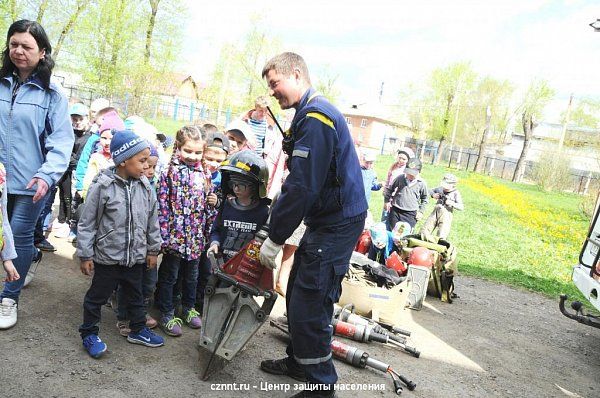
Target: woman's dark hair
pixel 44 68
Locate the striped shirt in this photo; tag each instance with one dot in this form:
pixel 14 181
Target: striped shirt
pixel 259 128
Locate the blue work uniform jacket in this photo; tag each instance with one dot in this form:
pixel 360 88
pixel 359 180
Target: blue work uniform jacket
pixel 36 136
pixel 325 185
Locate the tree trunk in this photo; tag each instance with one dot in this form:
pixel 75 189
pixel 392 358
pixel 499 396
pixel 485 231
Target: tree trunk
pixel 438 154
pixel 480 163
pixel 13 10
pixel 42 10
pixel 81 5
pixel 154 6
pixel 140 82
pixel 528 126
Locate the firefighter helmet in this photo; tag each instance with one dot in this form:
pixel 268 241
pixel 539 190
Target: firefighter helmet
pixel 248 165
pixel 395 262
pixel 420 256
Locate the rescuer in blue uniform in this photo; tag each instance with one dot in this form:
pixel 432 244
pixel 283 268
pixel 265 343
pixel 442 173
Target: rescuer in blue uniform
pixel 325 189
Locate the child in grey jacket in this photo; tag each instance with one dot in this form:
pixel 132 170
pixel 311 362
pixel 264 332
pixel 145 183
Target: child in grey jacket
pixel 406 198
pixel 118 236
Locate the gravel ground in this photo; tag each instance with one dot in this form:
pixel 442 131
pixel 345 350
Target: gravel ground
pixel 495 341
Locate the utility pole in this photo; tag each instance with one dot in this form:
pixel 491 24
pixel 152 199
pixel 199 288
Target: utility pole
pixel 563 134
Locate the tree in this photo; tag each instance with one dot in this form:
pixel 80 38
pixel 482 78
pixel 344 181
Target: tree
pixel 80 6
pixel 494 96
pixel 586 113
pixel 447 85
pixel 325 84
pixel 536 98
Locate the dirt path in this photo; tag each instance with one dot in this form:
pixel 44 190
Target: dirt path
pixel 493 342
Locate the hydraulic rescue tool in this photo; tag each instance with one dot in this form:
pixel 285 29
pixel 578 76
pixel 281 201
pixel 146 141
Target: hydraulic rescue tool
pixel 231 315
pixel 360 359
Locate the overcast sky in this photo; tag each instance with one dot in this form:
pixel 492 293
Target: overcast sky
pixel 397 42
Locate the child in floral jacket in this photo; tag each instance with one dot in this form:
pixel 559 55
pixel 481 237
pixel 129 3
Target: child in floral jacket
pixel 185 219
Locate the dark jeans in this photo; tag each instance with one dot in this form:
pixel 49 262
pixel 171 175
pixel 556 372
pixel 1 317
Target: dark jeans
pixel 76 207
pixel 397 215
pixel 43 220
pixel 23 215
pixel 170 267
pixel 65 196
pixel 204 271
pixel 149 278
pixel 320 264
pixel 105 281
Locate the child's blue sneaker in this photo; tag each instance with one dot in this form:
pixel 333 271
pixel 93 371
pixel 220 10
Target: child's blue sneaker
pixel 94 346
pixel 146 337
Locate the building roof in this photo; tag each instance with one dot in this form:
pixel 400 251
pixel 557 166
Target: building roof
pixel 376 113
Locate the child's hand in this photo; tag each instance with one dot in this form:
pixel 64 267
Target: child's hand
pixel 151 261
pixel 214 248
pixel 387 206
pixel 87 267
pixel 418 216
pixel 212 199
pixel 11 272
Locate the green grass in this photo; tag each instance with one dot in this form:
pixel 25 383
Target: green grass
pixel 167 126
pixel 497 244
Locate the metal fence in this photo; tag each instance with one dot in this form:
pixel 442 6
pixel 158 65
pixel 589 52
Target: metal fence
pixel 581 181
pixel 162 107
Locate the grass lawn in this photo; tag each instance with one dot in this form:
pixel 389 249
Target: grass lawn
pixel 511 233
pixel 167 126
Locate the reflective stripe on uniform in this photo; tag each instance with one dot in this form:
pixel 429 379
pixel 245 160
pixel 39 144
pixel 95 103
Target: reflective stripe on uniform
pixel 322 118
pixel 300 153
pixel 312 361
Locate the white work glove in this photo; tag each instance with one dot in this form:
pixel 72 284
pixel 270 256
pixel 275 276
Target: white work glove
pixel 269 254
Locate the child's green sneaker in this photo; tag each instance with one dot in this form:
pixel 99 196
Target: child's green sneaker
pixel 171 325
pixel 191 318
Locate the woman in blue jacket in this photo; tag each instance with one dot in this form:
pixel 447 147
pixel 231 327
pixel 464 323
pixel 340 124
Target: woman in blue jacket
pixel 36 139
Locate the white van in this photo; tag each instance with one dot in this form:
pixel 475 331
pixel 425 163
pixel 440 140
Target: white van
pixel 586 275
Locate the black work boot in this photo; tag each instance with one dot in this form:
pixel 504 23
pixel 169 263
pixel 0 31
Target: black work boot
pixel 315 394
pixel 285 366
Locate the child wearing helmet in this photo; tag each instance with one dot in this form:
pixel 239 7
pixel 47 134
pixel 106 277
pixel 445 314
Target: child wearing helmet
pixel 448 198
pixel 244 179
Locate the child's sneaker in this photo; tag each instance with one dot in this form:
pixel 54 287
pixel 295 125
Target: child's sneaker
pixel 94 346
pixel 150 322
pixel 146 337
pixel 72 238
pixel 37 258
pixel 192 318
pixel 123 327
pixel 171 325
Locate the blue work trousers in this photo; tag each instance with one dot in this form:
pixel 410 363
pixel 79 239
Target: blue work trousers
pixel 320 264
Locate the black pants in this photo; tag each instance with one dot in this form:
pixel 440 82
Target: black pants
pixel 65 196
pixel 397 215
pixel 104 282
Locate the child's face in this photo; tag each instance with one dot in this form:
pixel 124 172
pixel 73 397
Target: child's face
pixel 151 170
pixel 136 166
pixel 368 165
pixel 410 177
pixel 79 122
pixel 241 189
pixel 105 139
pixel 402 159
pixel 236 138
pixel 213 157
pixel 191 152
